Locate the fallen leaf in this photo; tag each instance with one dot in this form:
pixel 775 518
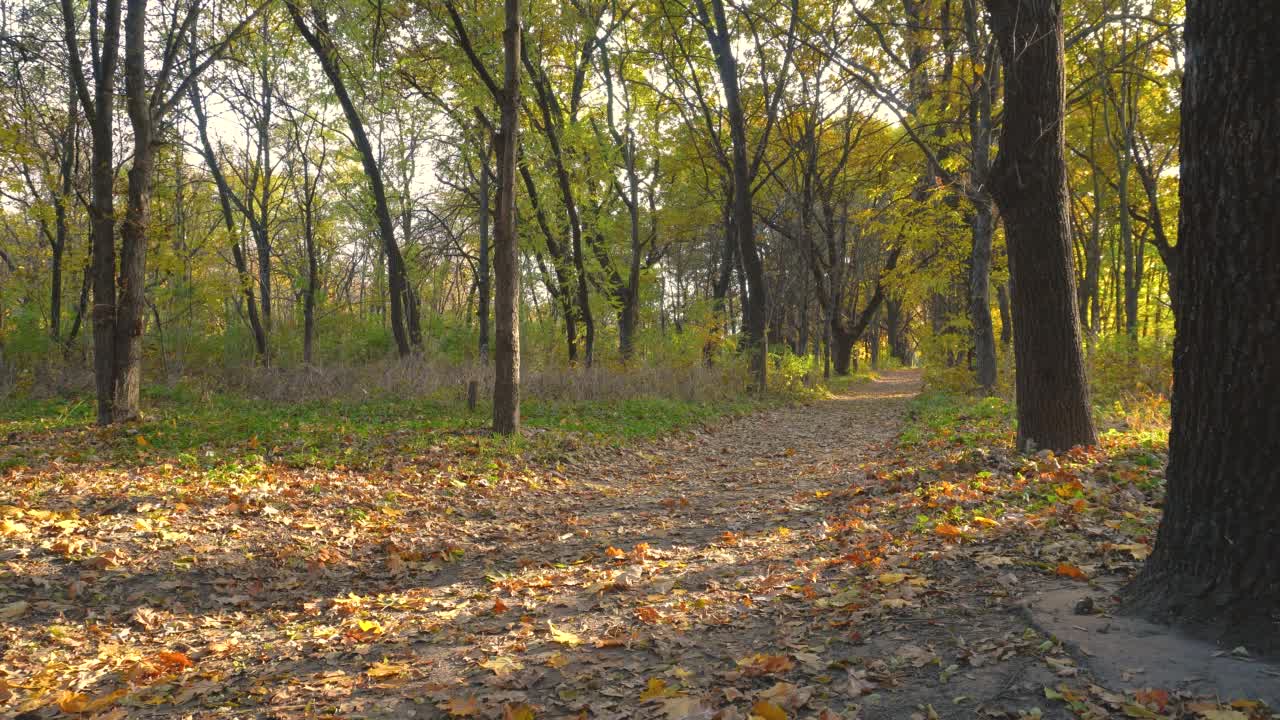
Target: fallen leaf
pixel 1071 571
pixel 518 711
pixel 502 665
pixel 385 670
pixel 461 707
pixel 657 688
pixel 563 637
pixel 70 702
pixel 14 610
pixel 762 664
pixel 948 530
pixel 768 711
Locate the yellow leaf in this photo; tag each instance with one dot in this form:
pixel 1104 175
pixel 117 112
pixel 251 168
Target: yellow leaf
pixel 768 711
pixel 70 702
pixel 385 670
pixel 657 688
pixel 560 636
pixel 891 578
pixel 14 610
pixel 369 626
pixel 517 712
pixel 985 521
pixel 502 665
pixel 142 441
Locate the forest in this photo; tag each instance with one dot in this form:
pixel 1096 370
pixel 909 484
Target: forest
pixel 685 359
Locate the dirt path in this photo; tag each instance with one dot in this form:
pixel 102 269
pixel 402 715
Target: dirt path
pixel 795 563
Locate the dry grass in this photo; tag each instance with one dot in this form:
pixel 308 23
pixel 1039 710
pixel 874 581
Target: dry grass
pixel 421 377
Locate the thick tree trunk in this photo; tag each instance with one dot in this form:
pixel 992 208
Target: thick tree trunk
pixel 1215 559
pixel 841 350
pixel 1029 183
pixel 506 255
pixel 131 300
pixel 100 109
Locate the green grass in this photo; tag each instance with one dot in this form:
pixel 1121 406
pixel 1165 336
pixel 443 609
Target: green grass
pixel 212 430
pixel 961 420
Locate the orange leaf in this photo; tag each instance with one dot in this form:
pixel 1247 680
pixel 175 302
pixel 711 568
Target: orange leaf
pixel 1071 571
pixel 948 530
pixel 462 707
pixel 499 607
pixel 647 615
pixel 768 711
pixel 1156 697
pixel 171 661
pixel 761 664
pixel 615 553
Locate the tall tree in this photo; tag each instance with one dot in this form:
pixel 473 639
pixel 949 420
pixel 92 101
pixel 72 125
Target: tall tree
pixel 1029 184
pixel 320 38
pixel 745 165
pixel 506 247
pixel 1214 559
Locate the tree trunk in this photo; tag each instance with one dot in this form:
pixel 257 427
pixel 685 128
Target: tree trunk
pixel 313 281
pixel 755 340
pixel 506 255
pixel 1029 184
pixel 322 45
pixel 897 326
pixel 841 349
pixel 984 340
pixel 100 109
pixel 482 273
pixel 131 300
pixel 256 327
pixel 1215 559
pixel 1006 323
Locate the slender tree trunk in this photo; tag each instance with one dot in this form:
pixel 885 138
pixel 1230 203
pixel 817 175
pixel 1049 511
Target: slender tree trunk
pixel 1006 322
pixel 506 256
pixel 245 280
pixel 322 45
pixel 1215 561
pixel 1029 183
pixel 482 272
pixel 984 340
pixel 313 281
pixel 755 306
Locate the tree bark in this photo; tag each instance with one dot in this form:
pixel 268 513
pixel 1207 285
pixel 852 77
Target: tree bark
pixel 482 272
pixel 506 251
pixel 1029 184
pixel 1215 562
pixel 984 339
pixel 131 300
